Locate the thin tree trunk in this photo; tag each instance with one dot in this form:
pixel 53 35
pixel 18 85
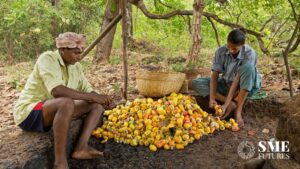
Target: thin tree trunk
pixel 296 44
pixel 196 30
pixel 9 50
pixel 287 49
pixel 104 47
pixel 55 26
pixel 285 56
pixel 124 8
pixel 129 22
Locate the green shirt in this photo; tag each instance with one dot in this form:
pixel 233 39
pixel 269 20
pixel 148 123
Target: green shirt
pixel 48 73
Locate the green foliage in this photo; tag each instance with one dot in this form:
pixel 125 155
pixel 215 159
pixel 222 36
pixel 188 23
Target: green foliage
pixel 116 87
pixel 27 25
pixel 178 67
pixel 75 15
pixel 152 59
pixel 113 6
pixel 16 79
pixel 115 60
pixel 132 61
pixel 253 15
pixel 15 84
pixel 24 27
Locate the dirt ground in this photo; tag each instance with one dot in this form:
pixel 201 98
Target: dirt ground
pixel 214 151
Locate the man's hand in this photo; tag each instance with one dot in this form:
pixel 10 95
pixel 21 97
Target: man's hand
pixel 212 103
pixel 110 106
pixel 101 99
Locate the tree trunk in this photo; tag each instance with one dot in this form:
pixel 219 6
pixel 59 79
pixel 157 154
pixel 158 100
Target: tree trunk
pixel 9 50
pixel 196 30
pixel 125 32
pixel 55 27
pixel 104 47
pixel 129 22
pixel 296 44
pixel 285 57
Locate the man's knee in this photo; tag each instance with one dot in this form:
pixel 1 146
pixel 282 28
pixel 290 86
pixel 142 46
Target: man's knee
pixel 247 76
pixel 97 108
pixel 246 69
pixel 67 104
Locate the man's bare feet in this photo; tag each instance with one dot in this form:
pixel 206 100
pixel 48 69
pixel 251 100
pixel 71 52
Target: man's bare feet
pixel 240 121
pixel 86 153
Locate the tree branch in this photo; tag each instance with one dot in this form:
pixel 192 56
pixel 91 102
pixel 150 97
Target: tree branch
pixel 215 30
pixel 279 36
pixel 276 32
pixel 266 22
pixel 285 56
pixel 102 35
pixel 293 9
pixel 232 25
pixel 295 46
pixel 164 4
pixel 140 4
pixel 188 21
pixel 190 25
pixel 240 13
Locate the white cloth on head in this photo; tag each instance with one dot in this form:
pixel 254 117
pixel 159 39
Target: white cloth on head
pixel 70 40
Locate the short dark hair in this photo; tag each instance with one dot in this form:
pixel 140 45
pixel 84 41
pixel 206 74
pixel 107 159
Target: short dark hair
pixel 237 36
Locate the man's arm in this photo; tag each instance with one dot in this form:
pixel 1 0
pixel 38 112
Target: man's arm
pixel 213 88
pixel 63 91
pixel 232 90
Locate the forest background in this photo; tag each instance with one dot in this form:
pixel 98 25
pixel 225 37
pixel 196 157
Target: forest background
pixel 29 27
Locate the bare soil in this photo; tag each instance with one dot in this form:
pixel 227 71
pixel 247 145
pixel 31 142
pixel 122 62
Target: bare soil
pixel 214 151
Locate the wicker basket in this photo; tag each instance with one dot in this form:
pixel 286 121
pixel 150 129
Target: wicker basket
pixel 158 84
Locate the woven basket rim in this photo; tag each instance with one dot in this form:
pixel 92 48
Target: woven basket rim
pixel 163 82
pixel 140 73
pixel 164 72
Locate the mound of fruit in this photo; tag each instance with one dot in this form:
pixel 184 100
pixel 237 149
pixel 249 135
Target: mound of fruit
pixel 170 122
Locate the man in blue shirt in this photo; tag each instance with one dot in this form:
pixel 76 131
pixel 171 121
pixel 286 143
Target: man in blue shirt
pixel 240 78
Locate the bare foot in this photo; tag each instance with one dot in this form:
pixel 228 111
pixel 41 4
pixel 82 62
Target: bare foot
pixel 240 121
pixel 86 153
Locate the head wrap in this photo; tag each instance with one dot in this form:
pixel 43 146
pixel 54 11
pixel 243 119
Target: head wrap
pixel 70 40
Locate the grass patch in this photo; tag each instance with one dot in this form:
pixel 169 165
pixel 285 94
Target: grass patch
pixel 115 60
pixel 19 71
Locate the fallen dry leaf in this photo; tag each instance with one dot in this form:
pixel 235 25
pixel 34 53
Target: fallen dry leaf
pixel 251 133
pixel 266 131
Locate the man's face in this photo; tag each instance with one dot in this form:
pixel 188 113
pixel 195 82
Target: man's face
pixel 71 55
pixel 233 48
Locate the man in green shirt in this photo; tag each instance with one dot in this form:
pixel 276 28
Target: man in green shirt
pixel 58 91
